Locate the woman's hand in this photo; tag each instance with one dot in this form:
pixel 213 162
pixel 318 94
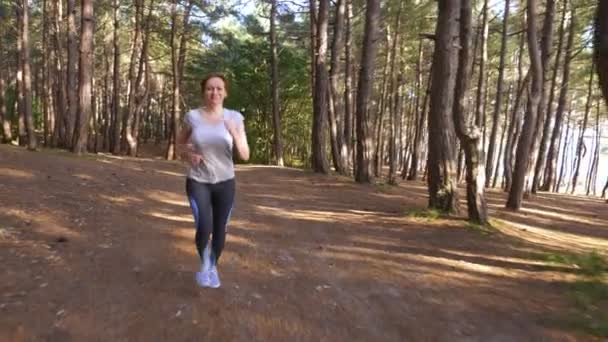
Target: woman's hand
pixel 195 158
pixel 232 128
pixel 237 131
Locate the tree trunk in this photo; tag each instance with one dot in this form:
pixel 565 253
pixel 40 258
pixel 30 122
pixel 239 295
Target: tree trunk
pixel 471 141
pixel 72 76
pixel 363 173
pixel 418 117
pixel 141 91
pixel 595 158
pixel 45 73
pixel 85 77
pixel 107 112
pixel 382 104
pixel 312 4
pixel 541 162
pixel 579 146
pixel 336 136
pixel 178 52
pixel 527 135
pixel 319 160
pixel 27 78
pixel 561 105
pixel 395 86
pixel 274 75
pixel 442 183
pixel 20 103
pixel 419 133
pixel 59 82
pixel 116 112
pixel 7 135
pixel 601 46
pixel 564 154
pixel 128 141
pixel 348 95
pixel 499 91
pixel 532 182
pixel 501 150
pixel 481 82
pixel 605 189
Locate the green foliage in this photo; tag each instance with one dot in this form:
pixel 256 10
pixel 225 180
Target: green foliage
pixel 590 293
pixel 589 264
pixel 424 214
pixel 482 229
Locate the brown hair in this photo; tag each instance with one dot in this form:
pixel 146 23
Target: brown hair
pixel 212 75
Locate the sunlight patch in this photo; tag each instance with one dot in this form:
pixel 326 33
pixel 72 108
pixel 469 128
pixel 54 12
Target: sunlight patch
pixel 177 218
pixel 168 198
pixel 15 173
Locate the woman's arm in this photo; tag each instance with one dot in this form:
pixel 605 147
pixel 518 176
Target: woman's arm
pixel 184 150
pixel 237 130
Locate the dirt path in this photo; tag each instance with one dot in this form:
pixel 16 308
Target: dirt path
pixel 101 249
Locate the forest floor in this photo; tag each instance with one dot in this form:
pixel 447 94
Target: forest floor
pixel 100 248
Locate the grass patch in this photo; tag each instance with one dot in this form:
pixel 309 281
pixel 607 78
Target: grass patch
pixel 590 292
pixel 482 229
pixel 384 187
pixel 589 264
pixel 424 214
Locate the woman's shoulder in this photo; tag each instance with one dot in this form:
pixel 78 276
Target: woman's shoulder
pixel 234 114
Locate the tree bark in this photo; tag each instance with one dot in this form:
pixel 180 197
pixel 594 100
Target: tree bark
pixel 601 46
pixel 348 96
pixel 116 87
pixel 59 85
pixel 364 172
pixel 419 133
pixel 541 162
pixel 481 82
pixel 564 155
pixel 85 77
pixel 7 135
pixel 128 141
pixel 20 93
pixel 546 51
pixel 381 108
pixel 72 76
pixel 499 91
pixel 319 160
pixel 336 136
pixel 525 142
pixel 470 141
pixel 178 52
pixel 579 146
pixel 274 75
pixel 394 105
pixel 501 149
pixel 45 73
pixel 142 90
pixel 561 105
pixel 27 77
pixel 442 182
pixel 312 13
pixel 595 158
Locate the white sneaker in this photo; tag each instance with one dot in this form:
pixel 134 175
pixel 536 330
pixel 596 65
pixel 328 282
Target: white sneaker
pixel 214 278
pixel 202 279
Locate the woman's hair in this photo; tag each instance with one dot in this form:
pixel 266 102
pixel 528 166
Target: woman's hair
pixel 212 75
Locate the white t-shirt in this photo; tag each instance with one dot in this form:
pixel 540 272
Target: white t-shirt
pixel 214 143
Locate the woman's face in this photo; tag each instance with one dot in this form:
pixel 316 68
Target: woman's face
pixel 215 91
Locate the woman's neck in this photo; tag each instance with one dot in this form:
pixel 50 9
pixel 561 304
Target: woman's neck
pixel 213 110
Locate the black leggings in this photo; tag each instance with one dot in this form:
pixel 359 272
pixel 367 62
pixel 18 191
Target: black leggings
pixel 211 206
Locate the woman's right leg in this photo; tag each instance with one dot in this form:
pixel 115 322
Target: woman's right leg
pixel 199 196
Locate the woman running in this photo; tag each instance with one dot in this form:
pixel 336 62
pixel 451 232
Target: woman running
pixel 206 142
